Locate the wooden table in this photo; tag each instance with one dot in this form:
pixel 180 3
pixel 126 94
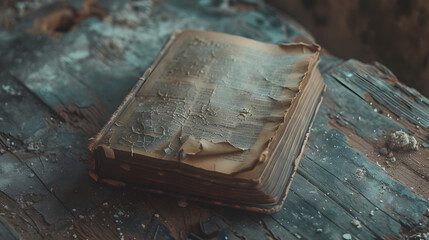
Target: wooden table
pixel 63 72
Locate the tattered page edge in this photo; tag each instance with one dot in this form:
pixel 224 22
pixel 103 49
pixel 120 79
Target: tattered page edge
pixel 259 176
pixel 202 147
pixel 287 48
pixel 305 48
pixel 282 48
pixel 265 155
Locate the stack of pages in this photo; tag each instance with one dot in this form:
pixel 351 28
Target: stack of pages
pixel 216 118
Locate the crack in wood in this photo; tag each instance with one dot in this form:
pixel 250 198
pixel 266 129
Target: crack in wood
pixel 269 234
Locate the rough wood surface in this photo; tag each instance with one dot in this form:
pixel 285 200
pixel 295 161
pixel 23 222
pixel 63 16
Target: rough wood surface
pixel 59 86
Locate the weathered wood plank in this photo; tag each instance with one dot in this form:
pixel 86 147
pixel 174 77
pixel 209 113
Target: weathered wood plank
pixel 362 79
pixel 303 220
pixel 240 224
pixel 367 131
pixel 411 168
pixel 42 170
pixel 63 87
pixel 372 125
pixel 330 209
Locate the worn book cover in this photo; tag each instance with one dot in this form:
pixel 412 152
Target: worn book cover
pixel 217 118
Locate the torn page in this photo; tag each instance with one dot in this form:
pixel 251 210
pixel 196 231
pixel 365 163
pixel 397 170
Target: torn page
pixel 214 102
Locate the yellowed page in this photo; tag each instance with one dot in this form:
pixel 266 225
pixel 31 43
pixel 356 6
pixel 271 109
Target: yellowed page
pixel 214 101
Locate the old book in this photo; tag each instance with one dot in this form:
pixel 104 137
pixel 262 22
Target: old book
pixel 216 118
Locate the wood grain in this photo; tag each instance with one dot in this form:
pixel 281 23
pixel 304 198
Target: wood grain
pixel 56 92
